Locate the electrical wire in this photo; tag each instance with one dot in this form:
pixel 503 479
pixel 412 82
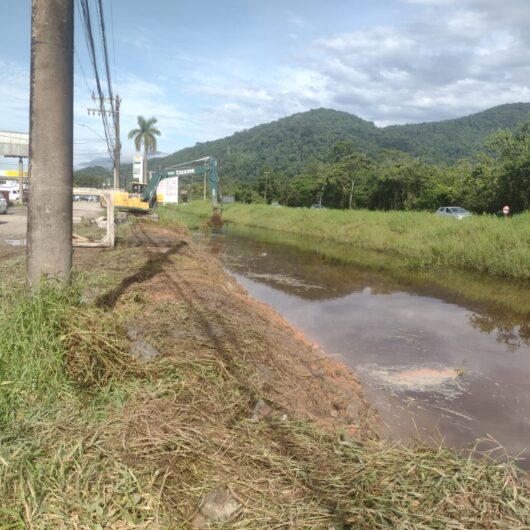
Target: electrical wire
pixel 113 45
pixel 106 57
pixel 82 71
pixel 84 8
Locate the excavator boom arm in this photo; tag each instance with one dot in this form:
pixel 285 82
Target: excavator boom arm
pixel 198 167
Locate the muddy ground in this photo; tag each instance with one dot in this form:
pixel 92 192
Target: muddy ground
pixel 239 365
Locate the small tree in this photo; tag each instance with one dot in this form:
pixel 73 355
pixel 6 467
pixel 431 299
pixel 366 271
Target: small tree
pixel 145 135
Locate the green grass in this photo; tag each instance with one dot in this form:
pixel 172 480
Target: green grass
pixel 417 240
pixel 55 393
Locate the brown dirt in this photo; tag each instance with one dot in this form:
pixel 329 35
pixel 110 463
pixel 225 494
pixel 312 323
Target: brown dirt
pixel 226 352
pixel 186 426
pixel 221 317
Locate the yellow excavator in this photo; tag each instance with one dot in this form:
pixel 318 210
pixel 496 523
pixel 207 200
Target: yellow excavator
pixel 143 197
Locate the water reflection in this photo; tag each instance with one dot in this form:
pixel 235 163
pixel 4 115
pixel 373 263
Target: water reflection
pixel 511 331
pixel 312 276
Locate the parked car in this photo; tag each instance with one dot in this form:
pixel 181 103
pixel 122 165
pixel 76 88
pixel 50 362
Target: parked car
pixel 3 205
pixel 318 207
pixel 453 211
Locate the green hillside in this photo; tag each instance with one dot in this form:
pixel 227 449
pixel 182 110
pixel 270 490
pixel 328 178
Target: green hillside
pixel 287 144
pixel 92 177
pixel 451 140
pixel 290 143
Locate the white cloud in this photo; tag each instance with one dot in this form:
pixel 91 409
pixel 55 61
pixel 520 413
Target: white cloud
pixel 453 58
pixel 295 19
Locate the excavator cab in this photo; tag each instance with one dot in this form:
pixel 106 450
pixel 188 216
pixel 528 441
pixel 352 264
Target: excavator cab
pixel 138 187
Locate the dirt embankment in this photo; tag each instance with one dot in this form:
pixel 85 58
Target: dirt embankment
pixel 243 380
pixel 188 303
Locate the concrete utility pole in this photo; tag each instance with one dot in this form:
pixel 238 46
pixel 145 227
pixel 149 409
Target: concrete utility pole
pixel 49 249
pixel 117 142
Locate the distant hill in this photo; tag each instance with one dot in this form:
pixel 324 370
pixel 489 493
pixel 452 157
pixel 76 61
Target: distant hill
pixel 289 143
pixel 105 162
pixel 451 140
pixel 92 177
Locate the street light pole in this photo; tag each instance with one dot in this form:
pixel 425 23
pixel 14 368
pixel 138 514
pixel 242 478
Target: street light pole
pixel 20 180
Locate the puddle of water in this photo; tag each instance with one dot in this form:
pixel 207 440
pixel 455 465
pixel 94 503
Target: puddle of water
pixel 433 368
pixel 16 242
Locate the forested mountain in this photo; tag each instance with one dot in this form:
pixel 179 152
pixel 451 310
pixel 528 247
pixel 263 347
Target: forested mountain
pixel 451 140
pixel 288 144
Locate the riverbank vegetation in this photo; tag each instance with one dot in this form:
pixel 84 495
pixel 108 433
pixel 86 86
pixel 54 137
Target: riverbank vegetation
pixel 417 240
pixel 92 437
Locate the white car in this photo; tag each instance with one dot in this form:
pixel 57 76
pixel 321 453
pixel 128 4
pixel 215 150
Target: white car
pixel 3 205
pixel 453 211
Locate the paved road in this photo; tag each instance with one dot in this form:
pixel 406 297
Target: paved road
pixel 13 226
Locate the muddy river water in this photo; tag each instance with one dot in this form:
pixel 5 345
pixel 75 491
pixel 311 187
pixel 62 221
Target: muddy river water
pixel 434 369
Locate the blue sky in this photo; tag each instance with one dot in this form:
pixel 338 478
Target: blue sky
pixel 206 69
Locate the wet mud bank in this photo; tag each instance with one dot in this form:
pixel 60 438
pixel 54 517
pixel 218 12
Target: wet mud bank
pixel 291 372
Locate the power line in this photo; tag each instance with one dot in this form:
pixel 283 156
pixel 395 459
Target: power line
pixel 113 45
pixel 89 38
pixel 112 133
pixel 106 57
pixel 82 71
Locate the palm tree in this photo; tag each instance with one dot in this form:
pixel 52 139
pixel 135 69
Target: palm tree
pixel 145 134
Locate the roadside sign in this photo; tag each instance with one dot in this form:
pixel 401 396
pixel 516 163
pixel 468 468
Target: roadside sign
pixel 167 191
pixel 14 144
pixel 138 168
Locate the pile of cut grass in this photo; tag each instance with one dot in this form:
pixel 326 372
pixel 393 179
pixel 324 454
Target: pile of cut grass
pixel 89 439
pixel 417 240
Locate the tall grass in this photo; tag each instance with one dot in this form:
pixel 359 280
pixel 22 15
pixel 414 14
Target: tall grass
pixel 32 365
pixel 418 240
pixel 60 362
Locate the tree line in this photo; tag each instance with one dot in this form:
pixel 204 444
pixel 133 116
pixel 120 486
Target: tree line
pixel 394 180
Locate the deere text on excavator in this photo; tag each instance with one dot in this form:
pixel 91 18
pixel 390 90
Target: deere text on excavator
pixel 143 197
